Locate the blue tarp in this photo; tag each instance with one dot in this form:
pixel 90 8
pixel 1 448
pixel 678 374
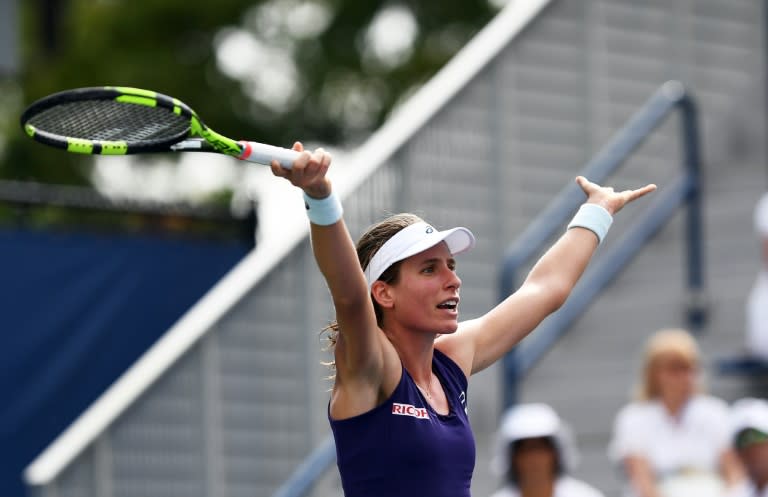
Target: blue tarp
pixel 76 310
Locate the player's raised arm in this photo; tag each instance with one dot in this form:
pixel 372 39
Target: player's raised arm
pixel 336 258
pixel 482 341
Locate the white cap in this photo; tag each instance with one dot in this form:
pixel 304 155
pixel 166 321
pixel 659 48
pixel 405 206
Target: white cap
pixel 761 216
pixel 749 413
pixel 533 421
pixel 413 239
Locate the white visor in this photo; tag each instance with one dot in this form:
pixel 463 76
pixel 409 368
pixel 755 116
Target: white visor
pixel 413 239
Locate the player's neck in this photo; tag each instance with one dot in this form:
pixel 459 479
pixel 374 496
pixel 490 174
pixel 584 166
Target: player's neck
pixel 415 351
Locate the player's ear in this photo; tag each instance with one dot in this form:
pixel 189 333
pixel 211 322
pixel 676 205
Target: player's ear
pixel 381 292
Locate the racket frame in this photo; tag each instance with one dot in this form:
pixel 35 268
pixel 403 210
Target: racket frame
pixel 196 138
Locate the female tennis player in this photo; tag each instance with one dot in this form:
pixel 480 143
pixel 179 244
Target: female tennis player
pixel 402 359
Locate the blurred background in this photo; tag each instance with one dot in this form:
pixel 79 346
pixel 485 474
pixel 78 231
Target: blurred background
pixel 160 315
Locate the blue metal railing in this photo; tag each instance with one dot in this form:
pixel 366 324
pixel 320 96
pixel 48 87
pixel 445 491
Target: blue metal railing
pixel 313 467
pixel 670 97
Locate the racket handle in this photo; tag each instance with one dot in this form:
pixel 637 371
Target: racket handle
pixel 262 153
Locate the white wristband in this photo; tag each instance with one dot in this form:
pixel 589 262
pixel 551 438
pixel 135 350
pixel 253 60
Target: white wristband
pixel 594 218
pixel 323 211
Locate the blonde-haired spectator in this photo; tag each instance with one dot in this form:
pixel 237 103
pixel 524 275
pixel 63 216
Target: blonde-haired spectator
pixel 673 439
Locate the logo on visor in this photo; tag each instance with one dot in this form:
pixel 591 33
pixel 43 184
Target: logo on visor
pixel 430 229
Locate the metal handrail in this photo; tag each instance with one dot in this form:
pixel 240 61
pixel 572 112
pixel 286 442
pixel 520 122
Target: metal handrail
pixel 671 96
pixel 310 470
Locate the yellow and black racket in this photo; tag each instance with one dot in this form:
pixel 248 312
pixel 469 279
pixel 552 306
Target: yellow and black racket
pixel 116 120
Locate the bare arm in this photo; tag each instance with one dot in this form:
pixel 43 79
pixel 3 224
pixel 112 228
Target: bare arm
pixel 359 354
pixel 481 342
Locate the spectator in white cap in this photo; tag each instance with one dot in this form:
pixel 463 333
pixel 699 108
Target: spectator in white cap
pixel 535 455
pixel 749 431
pixel 757 303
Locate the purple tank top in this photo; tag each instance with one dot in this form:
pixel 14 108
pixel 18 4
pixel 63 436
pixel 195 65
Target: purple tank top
pixel 403 448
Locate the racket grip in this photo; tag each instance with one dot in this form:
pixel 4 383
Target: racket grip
pixel 261 153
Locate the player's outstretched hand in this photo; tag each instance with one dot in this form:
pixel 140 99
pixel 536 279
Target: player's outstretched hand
pixel 611 200
pixel 308 171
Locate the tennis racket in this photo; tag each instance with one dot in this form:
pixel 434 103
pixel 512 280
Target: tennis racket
pixel 116 120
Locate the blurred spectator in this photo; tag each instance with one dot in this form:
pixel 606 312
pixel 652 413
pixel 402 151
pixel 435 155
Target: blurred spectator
pixel 750 438
pixel 673 440
pixel 757 303
pixel 535 454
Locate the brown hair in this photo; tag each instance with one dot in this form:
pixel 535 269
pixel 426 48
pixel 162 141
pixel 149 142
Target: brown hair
pixel 675 341
pixel 369 243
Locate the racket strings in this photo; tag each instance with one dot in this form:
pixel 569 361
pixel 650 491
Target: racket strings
pixel 108 120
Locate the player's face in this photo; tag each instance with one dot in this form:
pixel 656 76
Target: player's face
pixel 427 291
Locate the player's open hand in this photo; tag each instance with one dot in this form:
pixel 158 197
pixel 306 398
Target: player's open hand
pixel 308 171
pixel 606 197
